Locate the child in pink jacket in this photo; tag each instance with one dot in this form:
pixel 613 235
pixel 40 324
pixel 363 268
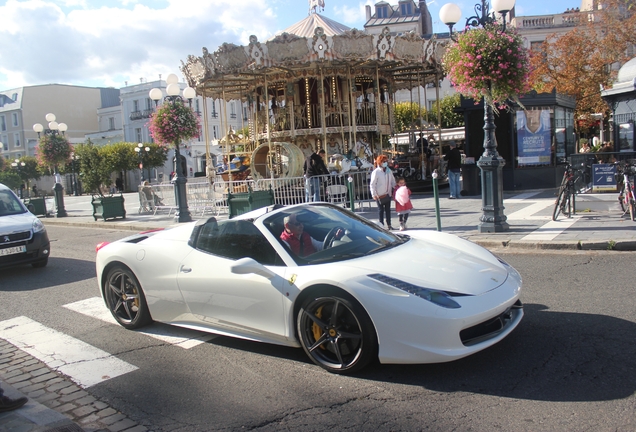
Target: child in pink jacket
pixel 403 206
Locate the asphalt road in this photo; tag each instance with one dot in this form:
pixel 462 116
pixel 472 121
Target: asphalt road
pixel 568 366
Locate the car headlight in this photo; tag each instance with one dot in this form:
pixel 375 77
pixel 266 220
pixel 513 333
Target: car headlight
pixel 437 297
pixel 38 225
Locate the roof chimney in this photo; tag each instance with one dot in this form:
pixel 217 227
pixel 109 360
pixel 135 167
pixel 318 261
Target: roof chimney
pixel 368 10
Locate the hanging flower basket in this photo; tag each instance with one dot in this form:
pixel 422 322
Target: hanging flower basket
pixel 53 150
pixel 484 62
pixel 173 122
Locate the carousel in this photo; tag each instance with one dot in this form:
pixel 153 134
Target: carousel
pixel 317 85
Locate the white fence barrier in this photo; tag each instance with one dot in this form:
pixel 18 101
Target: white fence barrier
pixel 204 197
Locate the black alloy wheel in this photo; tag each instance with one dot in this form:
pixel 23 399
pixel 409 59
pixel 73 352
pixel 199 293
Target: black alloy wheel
pixel 125 298
pixel 337 334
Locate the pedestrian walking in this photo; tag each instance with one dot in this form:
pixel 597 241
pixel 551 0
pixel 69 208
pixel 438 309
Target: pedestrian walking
pixel 8 404
pixel 454 159
pixel 403 205
pixel 381 186
pixel 313 168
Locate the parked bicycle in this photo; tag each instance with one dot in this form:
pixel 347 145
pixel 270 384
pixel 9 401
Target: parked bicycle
pixel 565 203
pixel 626 196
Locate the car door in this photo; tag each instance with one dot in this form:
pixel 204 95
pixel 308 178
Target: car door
pixel 248 305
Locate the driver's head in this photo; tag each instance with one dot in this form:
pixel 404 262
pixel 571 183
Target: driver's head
pixel 292 225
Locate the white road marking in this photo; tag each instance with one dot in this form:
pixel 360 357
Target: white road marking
pixel 85 364
pixel 527 213
pixel 522 197
pixel 552 229
pixel 185 338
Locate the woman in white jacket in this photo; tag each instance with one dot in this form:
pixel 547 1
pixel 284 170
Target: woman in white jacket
pixel 382 185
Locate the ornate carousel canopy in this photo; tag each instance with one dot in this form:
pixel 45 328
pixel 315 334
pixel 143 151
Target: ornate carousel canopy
pixel 405 61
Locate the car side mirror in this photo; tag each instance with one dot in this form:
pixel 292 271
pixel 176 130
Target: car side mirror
pixel 250 266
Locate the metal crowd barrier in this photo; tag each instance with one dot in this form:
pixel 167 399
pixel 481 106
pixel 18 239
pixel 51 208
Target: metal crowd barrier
pixel 204 197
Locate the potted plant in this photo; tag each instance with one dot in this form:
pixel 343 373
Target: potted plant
pixel 94 173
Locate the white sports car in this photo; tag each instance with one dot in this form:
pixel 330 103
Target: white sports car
pixel 350 294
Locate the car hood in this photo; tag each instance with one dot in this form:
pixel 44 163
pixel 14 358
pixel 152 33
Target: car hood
pixel 438 261
pixel 16 223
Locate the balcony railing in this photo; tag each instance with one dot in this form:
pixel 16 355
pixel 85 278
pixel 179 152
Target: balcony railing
pixel 569 19
pixel 138 115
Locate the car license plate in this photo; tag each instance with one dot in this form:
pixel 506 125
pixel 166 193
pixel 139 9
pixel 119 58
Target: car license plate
pixel 13 250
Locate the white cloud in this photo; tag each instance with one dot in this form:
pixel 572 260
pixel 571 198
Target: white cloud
pixel 44 42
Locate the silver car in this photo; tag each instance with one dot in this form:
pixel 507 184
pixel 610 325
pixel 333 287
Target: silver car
pixel 23 238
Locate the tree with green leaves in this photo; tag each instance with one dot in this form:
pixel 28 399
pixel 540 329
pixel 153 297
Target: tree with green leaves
pixel 447 106
pixel 93 169
pixel 10 179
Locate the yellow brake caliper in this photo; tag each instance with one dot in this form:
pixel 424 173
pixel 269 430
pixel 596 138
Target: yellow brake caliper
pixel 316 329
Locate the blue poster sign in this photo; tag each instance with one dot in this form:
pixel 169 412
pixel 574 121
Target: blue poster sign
pixel 534 146
pixel 603 177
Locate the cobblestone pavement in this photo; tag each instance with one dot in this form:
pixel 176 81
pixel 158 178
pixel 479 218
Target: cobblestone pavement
pixel 46 388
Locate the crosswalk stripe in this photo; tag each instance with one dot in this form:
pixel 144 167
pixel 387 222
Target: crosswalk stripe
pixel 552 229
pixel 83 363
pixel 185 338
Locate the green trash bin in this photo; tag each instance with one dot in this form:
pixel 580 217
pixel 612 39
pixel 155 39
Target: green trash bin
pixel 37 206
pixel 245 202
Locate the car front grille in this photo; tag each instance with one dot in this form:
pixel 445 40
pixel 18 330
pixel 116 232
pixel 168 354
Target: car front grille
pixel 9 239
pixel 490 328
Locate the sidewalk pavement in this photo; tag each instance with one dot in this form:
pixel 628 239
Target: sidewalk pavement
pixel 598 225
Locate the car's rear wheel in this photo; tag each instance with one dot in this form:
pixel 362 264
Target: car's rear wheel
pixel 125 298
pixel 337 333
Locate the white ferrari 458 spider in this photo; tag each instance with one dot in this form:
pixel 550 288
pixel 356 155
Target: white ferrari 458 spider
pixel 316 276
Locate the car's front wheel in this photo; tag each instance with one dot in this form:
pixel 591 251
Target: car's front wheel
pixel 337 333
pixel 125 298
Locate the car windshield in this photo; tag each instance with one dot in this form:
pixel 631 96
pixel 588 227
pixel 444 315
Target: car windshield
pixel 321 233
pixel 10 204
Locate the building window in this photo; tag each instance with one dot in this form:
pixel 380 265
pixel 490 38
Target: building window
pixel 381 12
pixel 14 117
pixel 232 110
pixel 5 143
pixel 215 132
pixel 406 9
pixel 138 134
pixel 3 123
pixel 14 96
pixel 150 104
pixel 135 105
pixel 244 113
pixel 214 113
pixel 16 140
pixel 18 155
pixel 197 108
pixel 111 123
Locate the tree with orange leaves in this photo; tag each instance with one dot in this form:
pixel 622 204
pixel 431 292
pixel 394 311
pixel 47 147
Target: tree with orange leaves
pixel 581 61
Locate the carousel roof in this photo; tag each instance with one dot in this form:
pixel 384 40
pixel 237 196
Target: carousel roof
pixel 311 50
pixel 307 27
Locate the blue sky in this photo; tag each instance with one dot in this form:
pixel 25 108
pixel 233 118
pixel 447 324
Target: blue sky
pixel 109 43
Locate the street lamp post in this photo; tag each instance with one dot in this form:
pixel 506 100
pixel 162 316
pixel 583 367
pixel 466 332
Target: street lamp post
pixel 140 149
pixel 173 90
pixel 18 166
pixel 53 130
pixel 490 163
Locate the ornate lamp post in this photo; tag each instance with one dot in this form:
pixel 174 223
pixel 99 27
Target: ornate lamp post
pixel 184 128
pixel 140 149
pixel 490 163
pixel 18 166
pixel 52 134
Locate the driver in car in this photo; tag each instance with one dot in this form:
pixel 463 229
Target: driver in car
pixel 300 242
